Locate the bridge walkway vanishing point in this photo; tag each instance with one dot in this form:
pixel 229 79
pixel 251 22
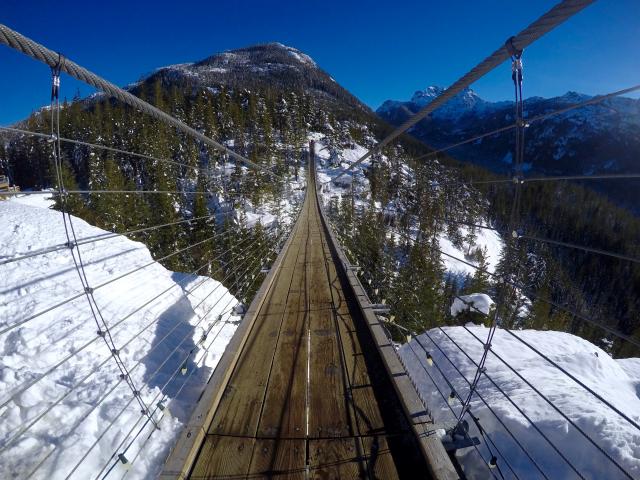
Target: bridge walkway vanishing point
pixel 308 396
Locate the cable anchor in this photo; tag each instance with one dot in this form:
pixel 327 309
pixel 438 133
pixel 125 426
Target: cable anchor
pixel 55 77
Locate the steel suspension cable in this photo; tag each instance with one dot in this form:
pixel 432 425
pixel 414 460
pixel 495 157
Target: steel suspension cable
pixel 444 398
pixel 34 50
pixel 108 282
pixel 70 233
pixel 153 376
pixel 564 371
pixel 184 383
pixel 520 234
pixel 495 415
pixel 519 409
pixel 547 22
pixel 101 237
pixel 560 412
pixel 526 291
pixel 126 406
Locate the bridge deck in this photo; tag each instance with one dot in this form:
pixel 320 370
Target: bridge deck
pixel 306 399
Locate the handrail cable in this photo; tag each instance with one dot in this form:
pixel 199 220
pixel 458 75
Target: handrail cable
pixel 138 363
pixel 444 398
pixel 99 238
pixel 76 351
pixel 495 415
pixel 126 406
pixel 564 371
pixel 139 419
pixel 98 146
pixel 135 336
pixel 460 398
pixel 546 399
pixel 103 284
pixel 118 192
pixel 184 383
pixel 525 290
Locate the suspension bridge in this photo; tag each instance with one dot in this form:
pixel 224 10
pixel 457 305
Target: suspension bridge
pixel 311 384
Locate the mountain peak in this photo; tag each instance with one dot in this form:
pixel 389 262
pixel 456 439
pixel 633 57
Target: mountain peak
pixel 272 54
pixel 465 101
pixel 273 64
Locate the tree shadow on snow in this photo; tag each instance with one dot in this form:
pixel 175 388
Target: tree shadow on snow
pixel 169 354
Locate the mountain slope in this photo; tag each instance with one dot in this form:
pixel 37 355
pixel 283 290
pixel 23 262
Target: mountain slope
pixel 601 138
pixel 273 66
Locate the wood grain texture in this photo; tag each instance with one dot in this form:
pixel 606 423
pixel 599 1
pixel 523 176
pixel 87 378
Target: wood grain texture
pixel 301 401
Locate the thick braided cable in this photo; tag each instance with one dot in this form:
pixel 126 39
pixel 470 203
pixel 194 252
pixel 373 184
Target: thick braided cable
pixel 25 45
pixel 547 22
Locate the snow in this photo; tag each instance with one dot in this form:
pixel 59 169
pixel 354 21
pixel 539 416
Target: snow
pixel 487 240
pixel 474 302
pixel 37 200
pixel 333 162
pixel 85 392
pixel 617 381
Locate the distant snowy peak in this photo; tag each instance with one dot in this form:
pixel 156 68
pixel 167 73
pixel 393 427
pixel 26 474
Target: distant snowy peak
pixel 466 101
pixel 423 97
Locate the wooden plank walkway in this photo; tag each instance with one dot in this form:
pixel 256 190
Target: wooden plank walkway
pixel 307 397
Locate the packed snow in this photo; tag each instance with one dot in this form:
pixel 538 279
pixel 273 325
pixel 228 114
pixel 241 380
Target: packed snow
pixel 475 302
pixel 334 161
pixel 61 396
pixel 617 381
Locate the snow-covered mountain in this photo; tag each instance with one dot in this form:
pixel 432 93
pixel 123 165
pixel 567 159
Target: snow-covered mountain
pixel 466 102
pixel 273 64
pixel 600 138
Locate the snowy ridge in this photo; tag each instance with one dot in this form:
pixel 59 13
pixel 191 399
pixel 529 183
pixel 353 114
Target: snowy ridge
pixel 154 344
pixel 333 161
pixel 467 101
pixel 618 381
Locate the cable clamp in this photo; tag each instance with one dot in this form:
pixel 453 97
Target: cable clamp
pixel 100 333
pixel 52 138
pixel 513 51
pixel 70 245
pixel 55 77
pixel 124 376
pixel 487 347
pixel 88 290
pixel 115 351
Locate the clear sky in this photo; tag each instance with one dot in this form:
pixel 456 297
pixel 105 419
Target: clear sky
pixel 376 49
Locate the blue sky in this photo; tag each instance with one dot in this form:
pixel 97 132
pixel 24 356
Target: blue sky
pixel 377 50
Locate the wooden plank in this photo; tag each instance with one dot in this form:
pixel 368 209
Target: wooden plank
pixel 335 459
pixel 280 458
pixel 363 404
pixel 183 455
pixel 300 401
pixel 233 464
pixel 436 458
